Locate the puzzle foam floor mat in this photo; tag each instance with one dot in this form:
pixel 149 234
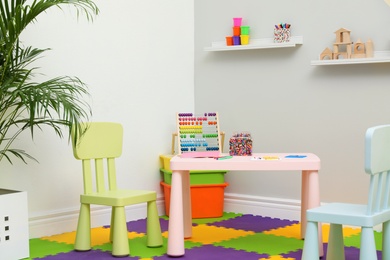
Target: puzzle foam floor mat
pixel 231 237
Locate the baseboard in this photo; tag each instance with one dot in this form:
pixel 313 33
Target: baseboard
pixel 263 206
pixel 52 223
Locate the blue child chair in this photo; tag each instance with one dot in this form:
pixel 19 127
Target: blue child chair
pixel 376 212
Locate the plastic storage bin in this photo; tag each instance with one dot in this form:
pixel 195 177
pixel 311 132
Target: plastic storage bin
pixel 165 161
pixel 198 177
pixel 206 200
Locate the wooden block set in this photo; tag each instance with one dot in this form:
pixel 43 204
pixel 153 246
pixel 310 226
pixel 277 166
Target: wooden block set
pixel 344 48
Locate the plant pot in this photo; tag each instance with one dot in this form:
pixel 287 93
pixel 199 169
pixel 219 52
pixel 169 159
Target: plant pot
pixel 14 236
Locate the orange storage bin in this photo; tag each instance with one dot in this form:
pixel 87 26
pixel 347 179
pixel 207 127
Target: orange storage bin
pixel 206 200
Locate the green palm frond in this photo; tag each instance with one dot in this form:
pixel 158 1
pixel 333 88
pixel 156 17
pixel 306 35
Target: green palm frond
pixel 25 104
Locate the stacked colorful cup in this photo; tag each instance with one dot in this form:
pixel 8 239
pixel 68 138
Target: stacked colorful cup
pixel 244 35
pixel 240 33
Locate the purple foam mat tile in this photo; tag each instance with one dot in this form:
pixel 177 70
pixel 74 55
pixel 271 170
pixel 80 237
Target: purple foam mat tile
pixel 139 226
pixel 86 255
pixel 210 252
pixel 253 223
pixel 297 255
pixel 351 253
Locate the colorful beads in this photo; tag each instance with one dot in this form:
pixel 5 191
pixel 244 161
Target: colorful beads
pixel 198 132
pixel 240 144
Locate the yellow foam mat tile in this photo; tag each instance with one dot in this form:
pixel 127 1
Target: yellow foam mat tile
pixel 293 231
pixel 347 231
pixel 276 257
pixel 99 236
pixel 210 234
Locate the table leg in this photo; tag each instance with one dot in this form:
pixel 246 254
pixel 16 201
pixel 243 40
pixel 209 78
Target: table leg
pixel 187 213
pixel 304 202
pixel 179 195
pixel 310 199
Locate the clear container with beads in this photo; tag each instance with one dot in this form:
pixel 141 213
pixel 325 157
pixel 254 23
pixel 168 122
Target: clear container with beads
pixel 240 144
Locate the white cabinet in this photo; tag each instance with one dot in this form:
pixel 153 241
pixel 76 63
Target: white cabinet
pixel 14 237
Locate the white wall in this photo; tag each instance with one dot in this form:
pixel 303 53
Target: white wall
pixel 137 58
pixel 287 104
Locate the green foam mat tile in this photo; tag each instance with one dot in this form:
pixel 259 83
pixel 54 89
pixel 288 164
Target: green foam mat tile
pixel 264 244
pixel 41 248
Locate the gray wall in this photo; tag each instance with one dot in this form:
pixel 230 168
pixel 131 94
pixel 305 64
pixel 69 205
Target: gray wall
pixel 287 104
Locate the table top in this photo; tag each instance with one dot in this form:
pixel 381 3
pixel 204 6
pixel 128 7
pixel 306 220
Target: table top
pixel 257 161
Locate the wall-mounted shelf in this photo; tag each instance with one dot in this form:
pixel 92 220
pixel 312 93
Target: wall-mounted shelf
pixel 266 43
pixel 379 57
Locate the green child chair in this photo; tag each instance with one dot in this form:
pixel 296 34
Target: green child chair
pixel 102 144
pixel 375 212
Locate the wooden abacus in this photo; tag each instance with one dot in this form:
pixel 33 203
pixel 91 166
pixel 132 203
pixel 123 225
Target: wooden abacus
pixel 198 135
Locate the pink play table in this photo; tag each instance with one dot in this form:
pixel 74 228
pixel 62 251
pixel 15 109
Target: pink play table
pixel 180 222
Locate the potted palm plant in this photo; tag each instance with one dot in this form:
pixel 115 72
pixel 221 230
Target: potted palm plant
pixel 28 105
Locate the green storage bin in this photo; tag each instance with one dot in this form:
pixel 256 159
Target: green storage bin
pixel 198 177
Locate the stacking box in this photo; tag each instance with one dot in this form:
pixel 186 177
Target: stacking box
pixel 198 177
pixel 206 187
pixel 206 200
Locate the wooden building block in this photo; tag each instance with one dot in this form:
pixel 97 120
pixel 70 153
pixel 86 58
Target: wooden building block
pixel 326 54
pixel 359 47
pixel 343 36
pixel 369 49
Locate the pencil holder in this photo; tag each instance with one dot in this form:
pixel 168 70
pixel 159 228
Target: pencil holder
pixel 240 144
pixel 282 35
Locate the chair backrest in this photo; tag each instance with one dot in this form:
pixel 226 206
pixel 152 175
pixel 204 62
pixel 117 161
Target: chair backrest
pixel 377 164
pixel 101 143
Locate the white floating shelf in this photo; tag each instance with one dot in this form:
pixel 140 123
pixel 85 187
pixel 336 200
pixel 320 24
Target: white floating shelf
pixel 379 57
pixel 266 43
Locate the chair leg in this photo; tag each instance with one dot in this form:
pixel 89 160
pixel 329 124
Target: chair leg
pixel 112 224
pixel 120 241
pixel 153 229
pixel 335 243
pixel 386 241
pixel 310 247
pixel 83 233
pixel 367 244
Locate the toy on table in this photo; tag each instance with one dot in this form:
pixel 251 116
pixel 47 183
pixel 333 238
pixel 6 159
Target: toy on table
pixel 198 135
pixel 240 144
